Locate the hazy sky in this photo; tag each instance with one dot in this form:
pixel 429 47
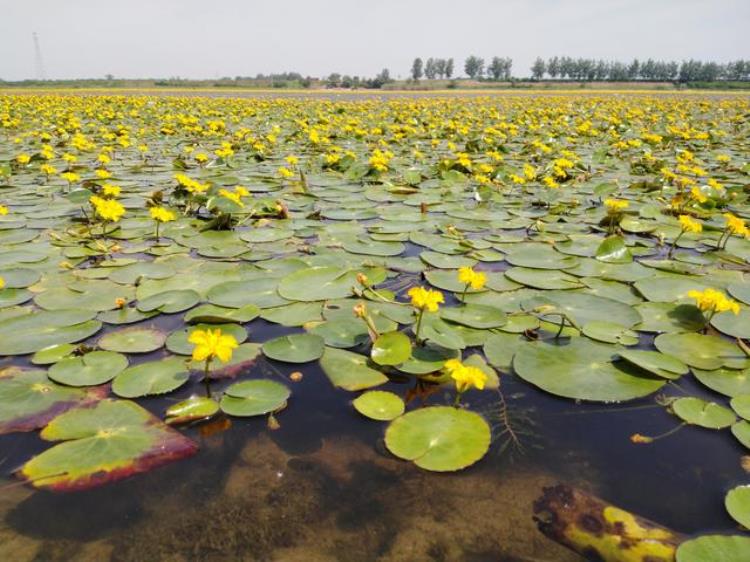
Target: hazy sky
pixel 213 38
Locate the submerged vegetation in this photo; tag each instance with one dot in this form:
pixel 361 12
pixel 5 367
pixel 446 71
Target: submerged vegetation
pixel 596 248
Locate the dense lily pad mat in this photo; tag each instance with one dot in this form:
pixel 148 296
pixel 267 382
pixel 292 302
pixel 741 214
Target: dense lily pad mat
pixel 592 247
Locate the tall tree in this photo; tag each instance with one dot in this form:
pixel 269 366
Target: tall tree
pixel 474 67
pixel 495 69
pixel 440 67
pixel 449 68
pixel 416 69
pixel 429 69
pixel 553 67
pixel 538 69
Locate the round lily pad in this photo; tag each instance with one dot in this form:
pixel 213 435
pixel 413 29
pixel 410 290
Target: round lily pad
pixel 737 502
pixel 714 548
pixel 583 370
pixel 379 405
pixel 254 398
pixel 730 382
pixel 342 332
pixel 660 364
pixel 39 329
pixel 212 314
pixel 735 325
pixel 192 409
pixel 170 302
pixel 439 438
pixel 475 316
pixel 741 405
pixel 295 348
pixel 151 378
pixel 350 371
pixel 700 351
pixel 103 443
pixel 392 348
pixel 318 283
pixel 53 354
pixel 705 414
pixel 90 369
pixel 133 340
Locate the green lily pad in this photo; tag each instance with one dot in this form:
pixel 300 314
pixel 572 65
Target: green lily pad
pixel 700 351
pixel 254 398
pixel 212 314
pixel 392 348
pixel 379 405
pixel 499 348
pixel 109 441
pixel 151 378
pixel 90 369
pixel 39 329
pixel 342 332
pixel 705 414
pixel 659 364
pixel 741 405
pixel 583 370
pixel 669 317
pixel 53 354
pixel 133 340
pixel 169 302
pixel 475 316
pixel 427 359
pixel 294 348
pixel 613 250
pixel 730 382
pixel 193 409
pixel 710 548
pixel 439 438
pixel 294 314
pixel 318 284
pixel 28 399
pixel 543 278
pixel 735 325
pixel 737 502
pixel 668 289
pixel 349 370
pixel 126 315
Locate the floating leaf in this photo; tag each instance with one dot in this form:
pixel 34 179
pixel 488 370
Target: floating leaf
pixel 700 351
pixel 90 369
pixel 154 377
pixel 39 329
pixel 475 316
pixel 170 302
pixel 379 405
pixel 714 548
pixel 705 414
pixel 737 502
pixel 103 443
pixel 613 250
pixel 659 364
pixel 294 348
pixel 133 340
pixel 254 398
pixel 583 370
pixel 392 348
pixel 212 314
pixel 193 409
pixel 349 370
pixel 439 438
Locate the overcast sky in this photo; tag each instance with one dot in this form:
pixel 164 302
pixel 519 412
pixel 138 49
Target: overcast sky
pixel 214 38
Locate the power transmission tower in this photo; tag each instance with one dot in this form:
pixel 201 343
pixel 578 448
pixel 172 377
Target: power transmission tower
pixel 38 61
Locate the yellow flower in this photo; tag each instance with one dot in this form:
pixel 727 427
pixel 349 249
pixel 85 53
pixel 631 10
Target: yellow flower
pixel 690 225
pixel 109 190
pixel 70 177
pixel 107 209
pixel 201 158
pixel 714 301
pixel 697 194
pixel 615 206
pixel 212 343
pixel 160 214
pixel 2 283
pixel 104 159
pixel 379 160
pixel 3 210
pixel 285 172
pixel 467 276
pixel 23 159
pixel 102 174
pixel 47 169
pixel 425 299
pixel 241 191
pixel 234 197
pixel 464 376
pixel 292 160
pixel 550 182
pixel 736 225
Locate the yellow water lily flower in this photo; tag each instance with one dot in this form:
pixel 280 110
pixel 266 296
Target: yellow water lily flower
pixel 212 343
pixel 464 376
pixel 109 190
pixel 616 206
pixel 474 279
pixel 425 299
pixel 232 196
pixel 3 210
pixel 2 282
pixel 736 225
pixel 23 159
pixel 713 301
pixel 160 214
pixel 107 209
pixel 689 224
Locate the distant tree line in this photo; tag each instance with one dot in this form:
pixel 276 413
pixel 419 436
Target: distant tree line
pixel 432 69
pixel 589 70
pixel 336 80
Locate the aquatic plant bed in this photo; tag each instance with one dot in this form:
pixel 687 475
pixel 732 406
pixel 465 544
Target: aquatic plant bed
pixel 229 303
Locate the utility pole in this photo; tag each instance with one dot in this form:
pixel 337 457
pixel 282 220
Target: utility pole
pixel 38 61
